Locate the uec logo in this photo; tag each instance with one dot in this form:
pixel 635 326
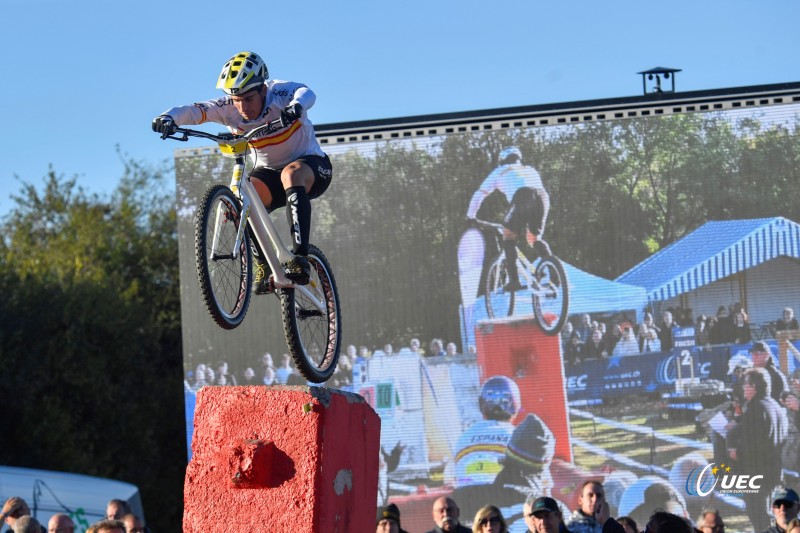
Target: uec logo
pixel 702 481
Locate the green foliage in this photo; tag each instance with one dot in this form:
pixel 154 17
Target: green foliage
pixel 91 336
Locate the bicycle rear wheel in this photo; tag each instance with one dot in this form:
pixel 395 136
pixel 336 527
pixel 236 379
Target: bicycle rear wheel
pixel 224 279
pixel 551 301
pixel 313 336
pixel 499 302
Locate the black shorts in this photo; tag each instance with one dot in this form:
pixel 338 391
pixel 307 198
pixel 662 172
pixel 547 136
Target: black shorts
pixel 320 166
pixel 529 208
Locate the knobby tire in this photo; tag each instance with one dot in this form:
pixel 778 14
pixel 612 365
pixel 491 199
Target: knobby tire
pixel 313 338
pixel 224 281
pixel 499 303
pixel 552 272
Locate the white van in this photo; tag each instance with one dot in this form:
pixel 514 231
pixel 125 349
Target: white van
pixel 84 498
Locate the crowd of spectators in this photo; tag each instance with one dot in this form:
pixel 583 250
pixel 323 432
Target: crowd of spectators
pixel 584 337
pixel 657 511
pixel 263 370
pixel 119 518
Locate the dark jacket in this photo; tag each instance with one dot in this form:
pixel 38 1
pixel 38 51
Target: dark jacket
pixel 612 526
pixel 778 381
pixel 759 438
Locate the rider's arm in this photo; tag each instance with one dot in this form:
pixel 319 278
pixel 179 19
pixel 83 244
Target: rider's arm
pixel 486 188
pixel 304 96
pixel 220 110
pixel 286 93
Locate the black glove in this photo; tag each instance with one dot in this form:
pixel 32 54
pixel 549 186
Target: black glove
pixel 165 125
pixel 291 113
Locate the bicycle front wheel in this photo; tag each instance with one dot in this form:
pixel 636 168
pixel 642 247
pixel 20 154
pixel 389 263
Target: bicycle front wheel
pixel 313 335
pixel 551 299
pixel 224 272
pixel 499 302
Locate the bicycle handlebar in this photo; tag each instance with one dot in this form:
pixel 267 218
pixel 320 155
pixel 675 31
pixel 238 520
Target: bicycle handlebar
pixel 183 134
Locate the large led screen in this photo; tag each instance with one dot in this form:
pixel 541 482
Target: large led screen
pixel 679 238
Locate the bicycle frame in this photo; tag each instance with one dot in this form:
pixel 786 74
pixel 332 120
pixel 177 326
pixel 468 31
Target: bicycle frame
pixel 275 251
pixel 528 267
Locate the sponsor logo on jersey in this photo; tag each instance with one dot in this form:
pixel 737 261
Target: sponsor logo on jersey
pixel 263 141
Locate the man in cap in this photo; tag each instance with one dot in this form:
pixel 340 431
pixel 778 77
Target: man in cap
pixel 785 505
pixel 542 515
pixel 388 520
pixel 762 358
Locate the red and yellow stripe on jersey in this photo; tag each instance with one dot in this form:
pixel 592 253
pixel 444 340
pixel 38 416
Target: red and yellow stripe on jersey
pixel 278 138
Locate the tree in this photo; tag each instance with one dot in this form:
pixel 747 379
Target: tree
pixel 91 337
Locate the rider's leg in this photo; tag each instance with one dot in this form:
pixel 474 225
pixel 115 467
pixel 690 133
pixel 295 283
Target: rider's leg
pixel 297 179
pixel 510 249
pixel 541 202
pixel 514 225
pixel 539 208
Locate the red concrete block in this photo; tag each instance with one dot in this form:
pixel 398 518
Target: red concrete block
pixel 300 459
pixel 519 349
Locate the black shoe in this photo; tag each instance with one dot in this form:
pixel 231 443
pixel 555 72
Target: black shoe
pixel 261 274
pixel 298 269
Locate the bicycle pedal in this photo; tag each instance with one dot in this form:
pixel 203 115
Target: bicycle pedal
pixel 264 287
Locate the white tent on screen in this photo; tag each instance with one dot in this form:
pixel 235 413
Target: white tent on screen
pixel 593 294
pixel 755 262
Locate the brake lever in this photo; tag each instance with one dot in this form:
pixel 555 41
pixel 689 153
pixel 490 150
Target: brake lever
pixel 184 138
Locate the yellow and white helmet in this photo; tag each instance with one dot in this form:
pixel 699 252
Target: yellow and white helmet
pixel 242 72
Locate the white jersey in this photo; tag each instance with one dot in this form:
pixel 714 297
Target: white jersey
pixel 275 150
pixel 479 452
pixel 507 179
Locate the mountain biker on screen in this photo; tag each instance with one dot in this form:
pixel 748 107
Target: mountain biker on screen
pixel 290 167
pixel 529 204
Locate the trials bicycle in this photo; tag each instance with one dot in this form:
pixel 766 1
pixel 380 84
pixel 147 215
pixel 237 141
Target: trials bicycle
pixel 230 223
pixel 544 277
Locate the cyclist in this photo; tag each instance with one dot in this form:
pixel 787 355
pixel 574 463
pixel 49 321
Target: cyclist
pixel 529 204
pixel 290 168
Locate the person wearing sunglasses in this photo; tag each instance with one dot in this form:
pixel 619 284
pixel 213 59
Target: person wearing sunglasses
pixel 785 507
pixel 489 519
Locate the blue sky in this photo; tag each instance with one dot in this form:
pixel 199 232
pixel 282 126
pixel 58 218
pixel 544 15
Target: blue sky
pixel 83 77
